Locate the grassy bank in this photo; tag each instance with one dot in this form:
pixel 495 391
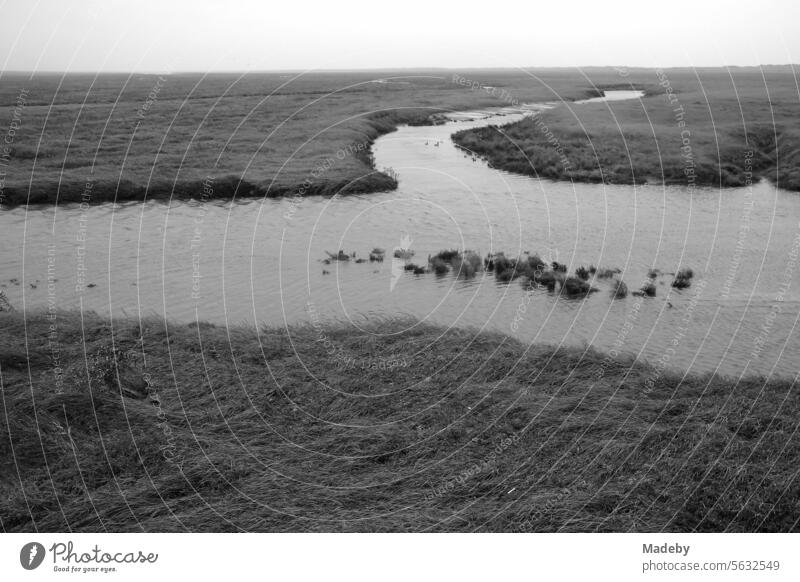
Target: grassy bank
pixel 708 129
pixel 196 427
pixel 266 134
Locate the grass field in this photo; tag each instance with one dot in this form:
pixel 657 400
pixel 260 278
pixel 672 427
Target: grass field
pixel 86 138
pixel 709 127
pixel 266 134
pixel 195 427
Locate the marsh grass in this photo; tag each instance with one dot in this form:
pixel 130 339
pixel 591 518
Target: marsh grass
pixel 683 278
pixel 467 264
pixel 547 279
pixel 649 289
pixel 439 267
pixel 447 255
pixel 619 290
pixel 603 273
pixel 340 256
pixel 506 269
pixel 639 141
pixel 233 435
pixel 574 287
pixel 256 135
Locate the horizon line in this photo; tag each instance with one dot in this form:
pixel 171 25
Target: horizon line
pixel 384 69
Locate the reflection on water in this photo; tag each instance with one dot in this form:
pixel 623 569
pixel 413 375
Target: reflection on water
pixel 260 261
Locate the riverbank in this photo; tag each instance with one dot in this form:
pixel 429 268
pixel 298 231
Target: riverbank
pixel 130 426
pixel 322 179
pixel 92 139
pixel 713 132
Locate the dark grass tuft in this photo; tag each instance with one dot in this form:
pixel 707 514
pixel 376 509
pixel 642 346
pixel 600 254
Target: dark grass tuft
pixel 447 255
pixel 439 266
pixel 506 269
pixel 619 290
pixel 536 263
pixel 574 287
pixel 466 265
pixel 680 282
pixel 602 273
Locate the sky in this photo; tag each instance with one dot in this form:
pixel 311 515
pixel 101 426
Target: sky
pixel 216 35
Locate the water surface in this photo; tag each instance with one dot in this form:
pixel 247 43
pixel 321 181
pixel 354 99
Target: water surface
pixel 260 261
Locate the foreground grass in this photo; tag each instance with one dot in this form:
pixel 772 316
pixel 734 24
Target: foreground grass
pixel 201 428
pixel 718 128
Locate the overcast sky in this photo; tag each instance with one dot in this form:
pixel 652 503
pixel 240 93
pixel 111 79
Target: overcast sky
pixel 213 35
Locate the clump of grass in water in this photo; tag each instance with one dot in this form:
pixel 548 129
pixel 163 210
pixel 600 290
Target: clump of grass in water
pixel 547 279
pixel 340 256
pixel 466 265
pixel 447 255
pixel 376 255
pixel 536 263
pixel 439 266
pixel 606 273
pixel 403 254
pixel 582 273
pixel 648 289
pixel 505 269
pixel 619 289
pixel 574 287
pixel 683 278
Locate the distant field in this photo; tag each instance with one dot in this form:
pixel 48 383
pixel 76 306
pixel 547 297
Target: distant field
pixel 258 134
pixel 140 426
pixel 709 128
pixel 87 138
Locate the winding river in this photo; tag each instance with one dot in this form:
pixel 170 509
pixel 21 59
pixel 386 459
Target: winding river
pixel 261 260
